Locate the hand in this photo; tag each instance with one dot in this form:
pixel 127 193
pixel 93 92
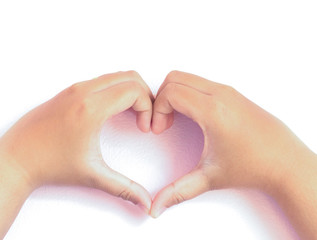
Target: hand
pixel 58 142
pixel 245 146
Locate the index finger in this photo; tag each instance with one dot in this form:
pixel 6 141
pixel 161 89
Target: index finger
pixel 181 98
pixel 119 98
pixel 190 80
pixel 106 81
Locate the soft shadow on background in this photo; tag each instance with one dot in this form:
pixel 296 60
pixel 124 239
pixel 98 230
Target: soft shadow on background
pixel 155 161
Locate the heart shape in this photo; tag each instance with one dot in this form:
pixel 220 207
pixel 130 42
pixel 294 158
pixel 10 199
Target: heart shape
pixel 151 160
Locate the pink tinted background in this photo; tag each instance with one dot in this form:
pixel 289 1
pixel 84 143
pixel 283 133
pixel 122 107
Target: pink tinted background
pixel 152 160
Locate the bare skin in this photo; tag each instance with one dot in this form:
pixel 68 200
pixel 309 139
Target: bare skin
pixel 245 147
pixel 58 143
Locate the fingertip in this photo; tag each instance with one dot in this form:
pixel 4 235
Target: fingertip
pixel 185 188
pixel 147 204
pixel 161 122
pixel 143 121
pixel 144 128
pixel 144 200
pixel 160 201
pixel 158 212
pixel 156 129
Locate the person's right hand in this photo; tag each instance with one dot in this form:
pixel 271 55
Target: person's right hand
pixel 245 146
pixel 59 141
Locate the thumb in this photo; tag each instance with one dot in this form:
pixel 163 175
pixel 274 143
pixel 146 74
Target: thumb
pixel 119 185
pixel 185 188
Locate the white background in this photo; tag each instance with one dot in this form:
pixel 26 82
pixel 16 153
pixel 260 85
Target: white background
pixel 265 49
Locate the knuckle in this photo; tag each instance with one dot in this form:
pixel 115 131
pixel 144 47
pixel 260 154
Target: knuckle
pixel 135 85
pixel 134 88
pixel 125 195
pixel 227 90
pixel 74 89
pixel 85 107
pixel 172 75
pixel 177 197
pixel 133 74
pixel 170 88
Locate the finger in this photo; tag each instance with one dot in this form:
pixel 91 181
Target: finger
pixel 108 80
pixel 118 185
pixel 143 120
pixel 190 80
pixel 119 98
pixel 187 187
pixel 183 99
pixel 161 121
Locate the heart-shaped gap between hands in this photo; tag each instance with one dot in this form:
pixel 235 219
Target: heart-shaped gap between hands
pixel 153 161
pixel 179 92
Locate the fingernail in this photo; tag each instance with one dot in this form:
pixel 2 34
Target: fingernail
pixel 158 212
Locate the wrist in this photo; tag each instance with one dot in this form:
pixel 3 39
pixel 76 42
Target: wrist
pixel 15 188
pixel 303 177
pixel 14 175
pixel 295 178
pixel 297 194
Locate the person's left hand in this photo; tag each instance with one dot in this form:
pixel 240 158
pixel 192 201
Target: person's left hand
pixel 58 142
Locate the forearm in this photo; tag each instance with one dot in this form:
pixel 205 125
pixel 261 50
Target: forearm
pixel 14 190
pixel 297 196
